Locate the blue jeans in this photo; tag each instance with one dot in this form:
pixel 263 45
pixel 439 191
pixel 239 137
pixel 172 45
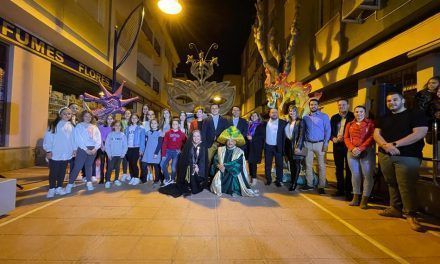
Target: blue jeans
pixel 170 155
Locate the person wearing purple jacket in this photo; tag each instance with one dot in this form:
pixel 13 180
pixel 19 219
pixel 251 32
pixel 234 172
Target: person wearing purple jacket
pixel 101 154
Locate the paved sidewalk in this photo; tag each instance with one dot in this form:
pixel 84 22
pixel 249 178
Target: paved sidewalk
pixel 136 224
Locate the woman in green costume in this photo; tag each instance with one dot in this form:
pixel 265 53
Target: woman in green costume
pixel 229 166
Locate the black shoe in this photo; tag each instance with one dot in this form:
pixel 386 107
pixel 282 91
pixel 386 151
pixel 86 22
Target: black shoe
pixel 278 184
pixel 306 188
pixel 321 191
pixel 268 183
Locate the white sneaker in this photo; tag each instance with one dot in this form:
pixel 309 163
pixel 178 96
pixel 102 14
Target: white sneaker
pixel 89 186
pixel 253 182
pixel 129 177
pixel 166 182
pixel 136 181
pixel 117 183
pixel 149 176
pixel 94 179
pixel 131 181
pixel 84 179
pixel 69 188
pixel 124 177
pixel 60 191
pixel 51 193
pixel 108 185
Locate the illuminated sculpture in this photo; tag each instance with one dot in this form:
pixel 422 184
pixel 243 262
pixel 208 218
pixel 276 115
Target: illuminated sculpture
pixel 279 91
pixel 112 102
pixel 185 95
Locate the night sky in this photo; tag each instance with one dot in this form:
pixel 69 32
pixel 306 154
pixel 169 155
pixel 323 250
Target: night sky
pixel 226 22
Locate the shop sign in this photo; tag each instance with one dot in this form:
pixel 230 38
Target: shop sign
pixel 20 37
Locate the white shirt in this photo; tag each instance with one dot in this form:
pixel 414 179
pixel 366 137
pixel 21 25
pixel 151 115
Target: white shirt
pixel 342 125
pixel 235 121
pixel 87 135
pixel 130 139
pixel 289 129
pixel 61 142
pixel 271 132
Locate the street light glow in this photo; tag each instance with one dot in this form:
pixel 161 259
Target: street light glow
pixel 217 98
pixel 170 7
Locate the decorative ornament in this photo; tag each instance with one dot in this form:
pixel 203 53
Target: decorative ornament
pixel 279 91
pixel 185 95
pixel 112 103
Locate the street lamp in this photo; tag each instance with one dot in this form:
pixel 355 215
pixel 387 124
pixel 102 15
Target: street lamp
pixel 171 7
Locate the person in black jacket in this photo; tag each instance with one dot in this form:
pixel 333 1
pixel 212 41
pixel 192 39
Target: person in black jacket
pixel 255 138
pixel 212 127
pixel 294 145
pixel 274 146
pixel 191 176
pixel 240 124
pixel 338 123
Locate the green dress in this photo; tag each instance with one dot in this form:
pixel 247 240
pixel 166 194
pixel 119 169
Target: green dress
pixel 234 180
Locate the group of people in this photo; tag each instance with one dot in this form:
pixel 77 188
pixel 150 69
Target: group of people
pixel 222 154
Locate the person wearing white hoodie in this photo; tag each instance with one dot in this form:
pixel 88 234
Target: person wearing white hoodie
pixel 116 147
pixel 87 141
pixel 58 144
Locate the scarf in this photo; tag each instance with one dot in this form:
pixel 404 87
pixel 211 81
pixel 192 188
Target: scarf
pixel 252 127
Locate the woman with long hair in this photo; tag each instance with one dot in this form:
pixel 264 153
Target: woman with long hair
pixel 255 138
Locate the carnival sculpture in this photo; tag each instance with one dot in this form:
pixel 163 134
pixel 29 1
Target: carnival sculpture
pixel 185 95
pixel 112 103
pixel 279 91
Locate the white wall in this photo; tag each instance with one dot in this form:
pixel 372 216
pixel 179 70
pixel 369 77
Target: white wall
pixel 28 98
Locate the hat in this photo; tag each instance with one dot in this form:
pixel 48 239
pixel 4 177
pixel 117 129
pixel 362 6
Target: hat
pixel 231 133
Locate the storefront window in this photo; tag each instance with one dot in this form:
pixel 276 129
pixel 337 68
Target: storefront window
pixel 3 92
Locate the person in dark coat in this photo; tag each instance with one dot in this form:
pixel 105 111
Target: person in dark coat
pixel 255 141
pixel 338 123
pixel 293 149
pixel 240 124
pixel 274 146
pixel 191 177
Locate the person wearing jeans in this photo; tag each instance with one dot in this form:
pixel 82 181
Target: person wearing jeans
pixel 87 141
pixel 317 136
pixel 135 139
pixel 172 144
pixel 358 138
pixel 400 137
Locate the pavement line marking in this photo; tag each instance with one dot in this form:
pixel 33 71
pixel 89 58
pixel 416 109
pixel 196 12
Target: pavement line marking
pixel 30 212
pixel 357 231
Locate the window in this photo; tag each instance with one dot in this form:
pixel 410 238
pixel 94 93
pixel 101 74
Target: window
pixel 328 9
pixel 3 91
pixel 156 85
pixel 157 47
pixel 144 74
pixel 147 31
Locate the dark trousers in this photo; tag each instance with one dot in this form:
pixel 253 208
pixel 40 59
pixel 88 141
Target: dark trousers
pixel 124 165
pixel 341 162
pixel 253 169
pixel 132 159
pixel 157 174
pixel 295 168
pixel 72 164
pixel 57 172
pixel 85 160
pixel 113 164
pixel 401 174
pixel 269 153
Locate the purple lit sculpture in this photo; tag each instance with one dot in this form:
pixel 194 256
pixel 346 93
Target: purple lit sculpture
pixel 112 102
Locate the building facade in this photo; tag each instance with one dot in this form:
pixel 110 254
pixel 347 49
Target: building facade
pixel 53 51
pixel 348 50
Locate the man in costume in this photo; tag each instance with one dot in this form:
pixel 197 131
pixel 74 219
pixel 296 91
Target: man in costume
pixel 229 166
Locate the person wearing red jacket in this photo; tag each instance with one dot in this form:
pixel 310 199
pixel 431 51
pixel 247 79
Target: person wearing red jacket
pixel 358 138
pixel 173 142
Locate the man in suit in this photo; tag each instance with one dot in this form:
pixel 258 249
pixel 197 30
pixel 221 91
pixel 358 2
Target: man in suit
pixel 274 146
pixel 212 127
pixel 338 122
pixel 240 124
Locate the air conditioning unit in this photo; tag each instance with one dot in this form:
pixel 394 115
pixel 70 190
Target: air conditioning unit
pixel 356 11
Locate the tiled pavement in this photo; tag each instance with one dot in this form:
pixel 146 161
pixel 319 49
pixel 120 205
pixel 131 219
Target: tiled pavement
pixel 139 225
